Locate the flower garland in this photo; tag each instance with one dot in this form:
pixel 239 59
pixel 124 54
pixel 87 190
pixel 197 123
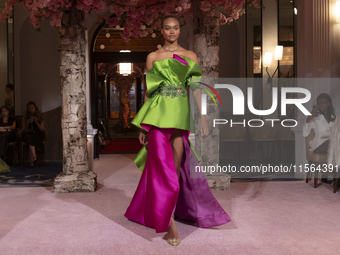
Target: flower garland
pixel 138 17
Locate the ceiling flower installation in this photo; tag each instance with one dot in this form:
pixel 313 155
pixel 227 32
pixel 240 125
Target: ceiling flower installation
pixel 139 18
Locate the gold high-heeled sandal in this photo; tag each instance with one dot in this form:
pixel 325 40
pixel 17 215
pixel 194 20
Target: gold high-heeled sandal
pixel 173 241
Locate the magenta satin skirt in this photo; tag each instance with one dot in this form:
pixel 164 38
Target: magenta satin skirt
pixel 160 194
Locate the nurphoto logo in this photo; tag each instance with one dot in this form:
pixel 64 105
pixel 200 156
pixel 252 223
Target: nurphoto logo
pixel 238 105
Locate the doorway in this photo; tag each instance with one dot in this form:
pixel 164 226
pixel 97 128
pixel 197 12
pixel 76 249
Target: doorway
pixel 116 96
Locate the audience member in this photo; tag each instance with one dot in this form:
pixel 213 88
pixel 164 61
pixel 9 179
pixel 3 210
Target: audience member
pixel 321 121
pixel 33 130
pixel 7 126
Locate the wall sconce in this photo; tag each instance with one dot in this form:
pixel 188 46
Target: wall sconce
pixel 125 68
pixel 295 11
pixel 267 62
pixel 337 11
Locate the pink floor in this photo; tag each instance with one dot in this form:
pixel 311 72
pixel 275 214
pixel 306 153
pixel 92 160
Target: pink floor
pixel 267 218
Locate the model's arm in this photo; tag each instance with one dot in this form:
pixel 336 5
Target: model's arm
pixel 198 100
pixel 149 62
pixel 149 66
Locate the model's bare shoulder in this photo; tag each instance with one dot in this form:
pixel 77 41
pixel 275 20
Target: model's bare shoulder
pixel 192 55
pixel 150 58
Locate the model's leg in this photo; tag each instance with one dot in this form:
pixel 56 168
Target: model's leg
pixel 177 149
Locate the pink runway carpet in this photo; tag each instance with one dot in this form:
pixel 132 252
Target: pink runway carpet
pixel 267 218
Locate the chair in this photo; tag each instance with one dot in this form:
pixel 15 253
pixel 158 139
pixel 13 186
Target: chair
pixel 234 134
pixel 315 158
pixel 284 135
pixel 264 134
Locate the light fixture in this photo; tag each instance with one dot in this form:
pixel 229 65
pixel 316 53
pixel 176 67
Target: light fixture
pixel 102 46
pixel 278 52
pixel 108 35
pixel 337 11
pixel 295 10
pixel 125 51
pixel 267 59
pixel 125 68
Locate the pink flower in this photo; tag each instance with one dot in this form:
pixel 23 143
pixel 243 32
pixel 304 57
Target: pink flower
pixel 135 33
pixel 88 2
pixel 239 2
pixel 223 19
pixel 178 9
pixel 205 6
pixel 112 22
pixel 230 19
pixel 144 33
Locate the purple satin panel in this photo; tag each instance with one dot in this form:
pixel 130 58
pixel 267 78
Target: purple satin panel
pixel 195 201
pixel 159 194
pixel 182 60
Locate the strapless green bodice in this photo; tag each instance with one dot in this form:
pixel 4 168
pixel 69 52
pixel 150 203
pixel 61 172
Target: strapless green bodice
pixel 168 103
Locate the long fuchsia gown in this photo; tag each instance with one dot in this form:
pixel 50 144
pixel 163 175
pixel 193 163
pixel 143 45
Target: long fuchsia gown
pixel 159 193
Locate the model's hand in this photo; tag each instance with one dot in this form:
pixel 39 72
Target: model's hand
pixel 204 127
pixel 35 119
pixel 142 138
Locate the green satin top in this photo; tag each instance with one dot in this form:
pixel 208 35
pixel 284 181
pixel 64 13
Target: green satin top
pixel 168 103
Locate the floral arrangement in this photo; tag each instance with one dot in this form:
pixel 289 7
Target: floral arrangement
pixel 138 17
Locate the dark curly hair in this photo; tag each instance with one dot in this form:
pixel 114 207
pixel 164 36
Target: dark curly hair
pixel 167 17
pixel 330 110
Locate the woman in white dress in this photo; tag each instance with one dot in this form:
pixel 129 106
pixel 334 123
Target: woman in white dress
pixel 321 121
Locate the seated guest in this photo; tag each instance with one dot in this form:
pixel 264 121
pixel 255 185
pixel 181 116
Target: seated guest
pixel 33 130
pixel 7 126
pixel 321 121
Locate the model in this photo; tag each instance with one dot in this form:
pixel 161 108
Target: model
pixel 166 187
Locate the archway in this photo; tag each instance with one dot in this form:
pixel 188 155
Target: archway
pixel 107 50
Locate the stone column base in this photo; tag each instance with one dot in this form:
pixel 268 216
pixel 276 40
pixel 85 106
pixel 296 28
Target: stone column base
pixel 76 182
pixel 220 182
